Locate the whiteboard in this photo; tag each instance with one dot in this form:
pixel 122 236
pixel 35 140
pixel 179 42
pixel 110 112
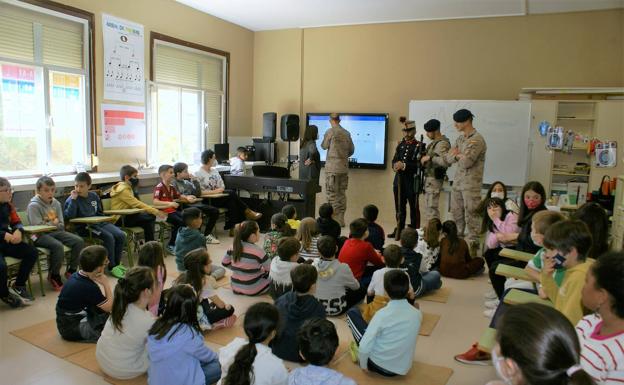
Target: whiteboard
pixel 504 125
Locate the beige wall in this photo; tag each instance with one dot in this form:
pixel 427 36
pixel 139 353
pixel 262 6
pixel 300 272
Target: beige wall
pixel 176 20
pixel 380 68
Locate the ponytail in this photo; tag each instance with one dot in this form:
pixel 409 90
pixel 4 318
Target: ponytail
pixel 578 376
pixel 544 345
pixel 194 263
pixel 260 321
pixel 241 234
pixel 449 228
pixel 128 290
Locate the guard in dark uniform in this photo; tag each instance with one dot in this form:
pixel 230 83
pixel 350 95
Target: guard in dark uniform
pixel 405 164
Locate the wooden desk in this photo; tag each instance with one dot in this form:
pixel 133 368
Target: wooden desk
pixel 487 340
pixel 92 220
pixel 123 211
pixel 514 272
pixel 517 297
pixel 517 255
pixel 37 229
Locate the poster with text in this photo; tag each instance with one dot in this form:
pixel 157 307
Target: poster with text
pixel 124 51
pixel 123 126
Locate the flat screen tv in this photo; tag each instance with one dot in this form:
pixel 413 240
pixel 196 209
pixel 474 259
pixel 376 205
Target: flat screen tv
pixel 369 132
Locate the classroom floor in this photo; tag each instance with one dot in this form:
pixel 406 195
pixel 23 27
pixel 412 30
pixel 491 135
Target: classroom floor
pixel 460 325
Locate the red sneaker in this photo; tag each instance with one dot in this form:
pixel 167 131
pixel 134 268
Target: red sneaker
pixel 224 323
pixel 55 282
pixel 474 356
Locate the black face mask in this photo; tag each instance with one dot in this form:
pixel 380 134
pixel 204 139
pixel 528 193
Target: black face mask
pixel 134 181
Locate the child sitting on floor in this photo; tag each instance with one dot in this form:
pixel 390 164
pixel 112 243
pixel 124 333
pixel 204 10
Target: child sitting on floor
pixel 308 235
pixel 336 289
pixel 376 293
pixel 318 342
pixel 152 255
pixel 295 307
pixel 422 282
pixel 279 228
pixel 291 213
pixel 251 361
pixel 376 234
pixel 281 266
pixel 212 312
pixel 121 351
pixel 429 245
pixel 190 238
pixel 455 259
pixel 387 344
pixel 82 309
pixel 327 225
pixel 175 344
pixel 249 263
pixel 357 253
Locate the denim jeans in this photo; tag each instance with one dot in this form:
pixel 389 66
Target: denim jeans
pixel 212 371
pixel 431 281
pixel 114 240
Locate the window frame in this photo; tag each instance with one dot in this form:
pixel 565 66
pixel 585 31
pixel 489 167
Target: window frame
pixel 170 40
pixel 63 11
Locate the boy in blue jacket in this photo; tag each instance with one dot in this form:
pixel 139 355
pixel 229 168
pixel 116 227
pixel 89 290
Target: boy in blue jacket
pixel 84 203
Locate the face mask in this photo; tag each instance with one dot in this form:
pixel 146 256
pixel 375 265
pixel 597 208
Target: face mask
pixel 559 260
pixel 532 204
pixel 498 195
pixel 496 360
pixel 134 181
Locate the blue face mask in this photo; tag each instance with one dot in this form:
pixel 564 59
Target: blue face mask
pixel 559 260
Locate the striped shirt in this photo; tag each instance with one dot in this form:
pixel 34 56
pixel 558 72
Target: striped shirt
pixel 310 252
pixel 602 357
pixel 250 275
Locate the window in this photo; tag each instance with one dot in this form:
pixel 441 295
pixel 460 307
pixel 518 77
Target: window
pixel 188 100
pixel 46 115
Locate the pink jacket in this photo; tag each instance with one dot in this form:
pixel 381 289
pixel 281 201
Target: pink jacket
pixel 509 225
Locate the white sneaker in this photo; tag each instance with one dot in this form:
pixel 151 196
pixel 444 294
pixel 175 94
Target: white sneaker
pixel 489 312
pixel 493 304
pixel 210 239
pixel 490 294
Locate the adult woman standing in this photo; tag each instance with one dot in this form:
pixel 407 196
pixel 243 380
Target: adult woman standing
pixel 309 157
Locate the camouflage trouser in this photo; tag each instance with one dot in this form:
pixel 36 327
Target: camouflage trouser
pixel 463 207
pixel 433 187
pixel 335 188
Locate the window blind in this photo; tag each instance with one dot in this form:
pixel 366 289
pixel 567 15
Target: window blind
pixel 62 39
pixel 187 68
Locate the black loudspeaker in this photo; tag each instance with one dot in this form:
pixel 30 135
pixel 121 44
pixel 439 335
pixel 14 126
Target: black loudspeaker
pixel 269 122
pixel 222 152
pixel 290 127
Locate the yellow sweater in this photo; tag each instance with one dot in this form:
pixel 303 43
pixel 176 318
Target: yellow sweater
pixel 122 197
pixel 567 298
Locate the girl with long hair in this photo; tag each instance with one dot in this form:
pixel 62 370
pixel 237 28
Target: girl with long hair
pixel 251 361
pixel 455 260
pixel 308 235
pixel 152 255
pixel 249 263
pixel 176 346
pixel 121 351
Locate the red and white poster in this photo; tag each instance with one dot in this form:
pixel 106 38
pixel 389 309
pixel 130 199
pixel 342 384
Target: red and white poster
pixel 123 126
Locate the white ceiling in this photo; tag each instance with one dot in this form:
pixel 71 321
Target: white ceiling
pixel 260 15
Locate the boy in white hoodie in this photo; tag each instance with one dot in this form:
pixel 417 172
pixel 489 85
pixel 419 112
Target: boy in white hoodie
pixel 336 288
pixel 287 259
pixel 44 209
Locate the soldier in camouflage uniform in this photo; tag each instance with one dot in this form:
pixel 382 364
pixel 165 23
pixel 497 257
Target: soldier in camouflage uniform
pixel 469 154
pixel 435 168
pixel 337 141
pixel 405 165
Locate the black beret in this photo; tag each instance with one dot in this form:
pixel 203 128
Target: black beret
pixel 432 125
pixel 462 115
